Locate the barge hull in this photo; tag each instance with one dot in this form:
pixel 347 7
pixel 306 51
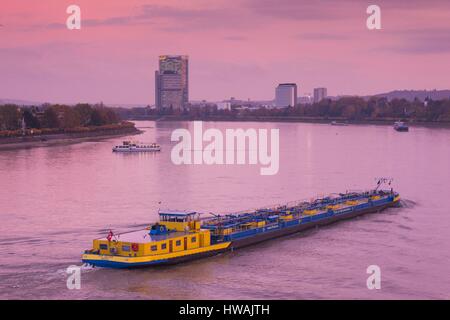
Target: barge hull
pixel 239 243
pixel 108 263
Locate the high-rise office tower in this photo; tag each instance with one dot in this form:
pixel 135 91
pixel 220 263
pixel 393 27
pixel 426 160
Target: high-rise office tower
pixel 172 82
pixel 286 95
pixel 319 94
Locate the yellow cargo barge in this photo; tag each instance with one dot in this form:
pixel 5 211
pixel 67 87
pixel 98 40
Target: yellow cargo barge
pixel 181 236
pixel 175 238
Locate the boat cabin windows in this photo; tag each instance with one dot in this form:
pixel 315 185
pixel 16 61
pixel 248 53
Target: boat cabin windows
pixel 125 248
pixel 103 247
pixel 163 246
pixel 193 239
pixel 154 248
pixel 176 216
pixel 178 243
pixel 174 219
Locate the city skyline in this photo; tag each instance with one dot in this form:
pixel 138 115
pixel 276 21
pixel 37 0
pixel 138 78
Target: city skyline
pixel 241 49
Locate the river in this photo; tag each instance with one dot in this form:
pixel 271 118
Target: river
pixel 55 200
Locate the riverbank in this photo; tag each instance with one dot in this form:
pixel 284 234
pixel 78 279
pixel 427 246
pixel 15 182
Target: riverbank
pixel 46 140
pixel 380 121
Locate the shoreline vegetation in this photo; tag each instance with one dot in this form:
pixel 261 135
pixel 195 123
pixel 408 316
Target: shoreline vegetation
pixel 318 120
pixel 62 138
pixel 352 110
pixel 25 127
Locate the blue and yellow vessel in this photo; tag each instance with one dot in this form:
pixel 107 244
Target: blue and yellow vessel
pixel 180 236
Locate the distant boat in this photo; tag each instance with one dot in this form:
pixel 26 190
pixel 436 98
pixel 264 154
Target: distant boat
pixel 128 146
pixel 335 123
pixel 401 126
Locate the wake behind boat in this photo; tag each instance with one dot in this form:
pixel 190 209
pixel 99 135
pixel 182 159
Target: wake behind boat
pixel 128 146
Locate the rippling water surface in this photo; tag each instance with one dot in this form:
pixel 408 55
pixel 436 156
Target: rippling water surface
pixel 55 200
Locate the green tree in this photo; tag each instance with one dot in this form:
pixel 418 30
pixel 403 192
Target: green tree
pixel 84 111
pixel 30 120
pixel 110 116
pixel 9 117
pixel 96 118
pixel 50 118
pixel 71 118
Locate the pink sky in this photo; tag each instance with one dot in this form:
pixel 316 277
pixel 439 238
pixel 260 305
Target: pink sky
pixel 239 48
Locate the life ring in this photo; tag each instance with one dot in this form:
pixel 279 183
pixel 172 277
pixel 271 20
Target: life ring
pixel 135 247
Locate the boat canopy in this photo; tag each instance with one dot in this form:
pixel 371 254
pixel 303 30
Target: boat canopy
pixel 176 213
pixel 177 216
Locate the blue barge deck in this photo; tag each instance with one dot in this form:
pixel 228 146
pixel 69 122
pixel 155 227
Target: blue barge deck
pixel 263 224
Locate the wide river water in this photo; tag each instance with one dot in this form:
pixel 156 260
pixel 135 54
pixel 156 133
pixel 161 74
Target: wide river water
pixel 55 200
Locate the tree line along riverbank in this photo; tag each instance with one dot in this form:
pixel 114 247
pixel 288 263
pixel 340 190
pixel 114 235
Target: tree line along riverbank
pixel 52 124
pixel 28 141
pixel 86 119
pixel 350 109
pixel 17 121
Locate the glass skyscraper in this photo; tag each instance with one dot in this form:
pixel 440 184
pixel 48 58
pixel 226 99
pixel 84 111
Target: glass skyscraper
pixel 171 82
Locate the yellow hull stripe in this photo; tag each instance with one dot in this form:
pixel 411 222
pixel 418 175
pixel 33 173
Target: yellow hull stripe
pixel 165 256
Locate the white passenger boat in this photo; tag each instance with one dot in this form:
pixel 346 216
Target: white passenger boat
pixel 128 146
pixel 335 123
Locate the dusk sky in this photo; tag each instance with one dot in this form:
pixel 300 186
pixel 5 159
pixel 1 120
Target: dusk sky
pixel 237 48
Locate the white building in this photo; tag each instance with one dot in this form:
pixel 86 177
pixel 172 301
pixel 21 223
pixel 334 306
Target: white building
pixel 286 95
pixel 307 98
pixel 320 94
pixel 225 105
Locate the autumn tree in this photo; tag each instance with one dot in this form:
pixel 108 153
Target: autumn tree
pixel 84 111
pixel 50 118
pixel 30 120
pixel 9 117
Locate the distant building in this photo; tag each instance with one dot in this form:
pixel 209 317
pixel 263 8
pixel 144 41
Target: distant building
pixel 319 94
pixel 172 82
pixel 225 105
pixel 305 99
pixel 38 113
pixel 233 101
pixel 286 95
